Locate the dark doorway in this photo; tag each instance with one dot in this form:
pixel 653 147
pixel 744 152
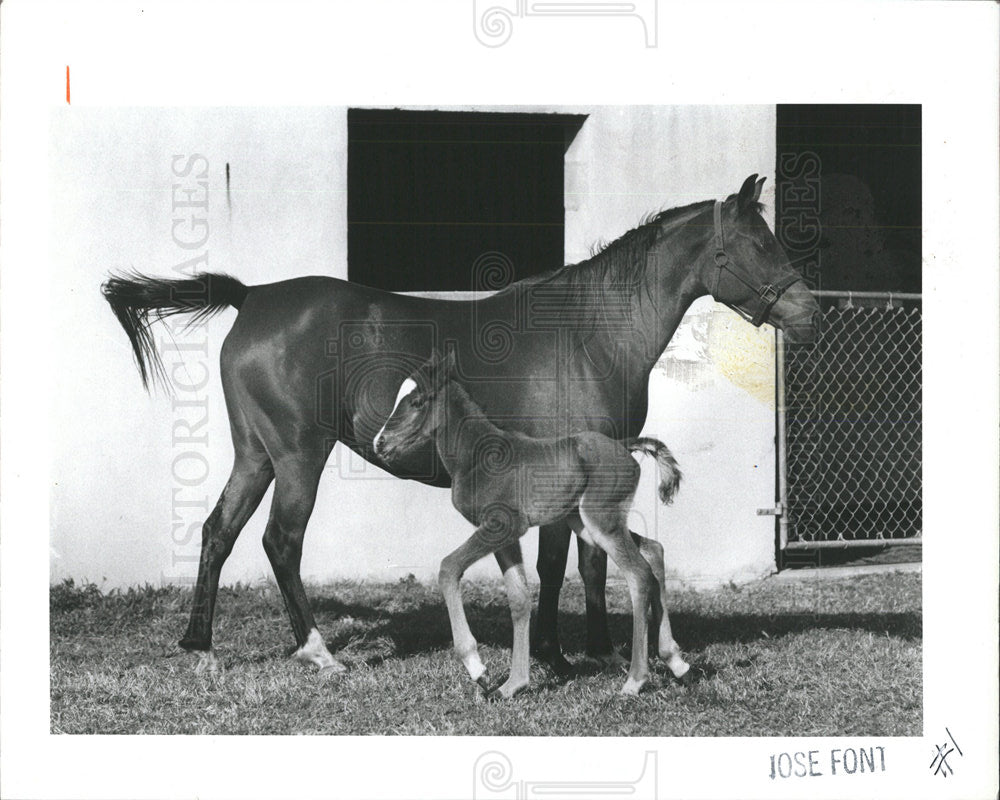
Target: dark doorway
pixel 848 196
pixel 429 192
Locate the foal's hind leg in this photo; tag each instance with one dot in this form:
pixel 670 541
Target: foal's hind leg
pixel 604 515
pixel 249 480
pixel 666 647
pixel 296 481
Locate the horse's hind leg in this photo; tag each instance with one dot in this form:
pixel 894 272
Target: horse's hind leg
pixel 593 565
pixel 666 647
pixel 249 480
pixel 296 481
pixel 553 549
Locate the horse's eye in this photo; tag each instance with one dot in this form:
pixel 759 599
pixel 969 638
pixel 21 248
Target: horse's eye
pixel 416 400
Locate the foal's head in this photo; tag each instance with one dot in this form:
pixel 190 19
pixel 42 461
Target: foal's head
pixel 417 414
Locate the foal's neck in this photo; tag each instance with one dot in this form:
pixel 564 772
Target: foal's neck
pixel 464 424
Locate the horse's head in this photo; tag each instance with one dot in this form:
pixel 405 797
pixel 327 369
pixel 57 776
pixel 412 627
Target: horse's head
pixel 746 268
pixel 417 414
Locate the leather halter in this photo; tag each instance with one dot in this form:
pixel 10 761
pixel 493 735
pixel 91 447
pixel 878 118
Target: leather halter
pixel 766 295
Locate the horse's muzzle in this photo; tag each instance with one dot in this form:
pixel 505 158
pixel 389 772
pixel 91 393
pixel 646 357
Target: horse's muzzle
pixel 797 314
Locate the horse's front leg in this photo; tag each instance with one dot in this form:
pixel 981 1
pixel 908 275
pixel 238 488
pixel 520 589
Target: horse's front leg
pixel 553 549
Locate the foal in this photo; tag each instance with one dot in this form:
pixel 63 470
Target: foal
pixel 505 482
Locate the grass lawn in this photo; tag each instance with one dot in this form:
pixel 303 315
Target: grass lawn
pixel 816 657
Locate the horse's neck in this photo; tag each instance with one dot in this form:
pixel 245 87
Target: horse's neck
pixel 463 425
pixel 664 289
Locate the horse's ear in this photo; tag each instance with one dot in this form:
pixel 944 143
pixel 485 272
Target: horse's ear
pixel 758 189
pixel 449 365
pixel 749 193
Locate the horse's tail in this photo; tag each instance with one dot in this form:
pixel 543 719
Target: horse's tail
pixel 138 301
pixel 670 474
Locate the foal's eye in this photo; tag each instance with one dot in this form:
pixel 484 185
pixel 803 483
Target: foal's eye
pixel 760 246
pixel 416 400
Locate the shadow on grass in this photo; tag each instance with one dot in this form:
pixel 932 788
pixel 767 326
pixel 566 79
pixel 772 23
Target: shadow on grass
pixel 374 622
pixel 423 626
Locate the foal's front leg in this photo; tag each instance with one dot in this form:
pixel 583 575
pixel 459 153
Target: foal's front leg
pixel 484 541
pixel 519 598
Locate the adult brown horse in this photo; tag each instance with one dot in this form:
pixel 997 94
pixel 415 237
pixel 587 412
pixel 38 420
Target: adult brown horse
pixel 312 361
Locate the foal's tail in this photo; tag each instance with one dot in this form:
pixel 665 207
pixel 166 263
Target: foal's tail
pixel 670 474
pixel 138 301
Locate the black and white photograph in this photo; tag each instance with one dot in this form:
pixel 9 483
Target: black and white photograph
pixel 499 401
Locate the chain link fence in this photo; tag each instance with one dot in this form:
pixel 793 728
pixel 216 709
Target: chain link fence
pixel 851 426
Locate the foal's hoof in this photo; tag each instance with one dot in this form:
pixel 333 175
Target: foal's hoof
pixel 336 669
pixel 692 676
pixel 633 687
pixel 484 690
pixel 508 690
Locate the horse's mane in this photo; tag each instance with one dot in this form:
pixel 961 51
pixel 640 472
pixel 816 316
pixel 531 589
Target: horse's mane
pixel 614 268
pixel 618 265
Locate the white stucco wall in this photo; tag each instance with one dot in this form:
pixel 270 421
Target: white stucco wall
pixel 128 494
pixel 711 398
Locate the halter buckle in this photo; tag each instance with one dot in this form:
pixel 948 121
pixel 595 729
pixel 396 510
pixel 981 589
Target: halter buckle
pixel 721 258
pixel 769 294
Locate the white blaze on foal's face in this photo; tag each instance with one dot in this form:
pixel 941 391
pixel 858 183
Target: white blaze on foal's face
pixel 408 386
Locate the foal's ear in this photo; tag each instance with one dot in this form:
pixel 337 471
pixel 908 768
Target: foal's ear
pixel 444 369
pixel 749 193
pixel 441 367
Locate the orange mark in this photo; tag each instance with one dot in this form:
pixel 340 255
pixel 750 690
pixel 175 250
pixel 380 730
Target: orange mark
pixel 67 85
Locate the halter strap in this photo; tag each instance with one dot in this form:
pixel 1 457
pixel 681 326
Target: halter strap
pixel 721 258
pixel 720 239
pixel 767 295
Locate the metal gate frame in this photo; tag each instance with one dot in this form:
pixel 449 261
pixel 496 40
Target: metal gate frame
pixel 781 509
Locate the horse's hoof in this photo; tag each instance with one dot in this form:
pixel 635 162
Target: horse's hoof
pixel 194 645
pixel 552 657
pixel 613 660
pixel 207 663
pixel 632 687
